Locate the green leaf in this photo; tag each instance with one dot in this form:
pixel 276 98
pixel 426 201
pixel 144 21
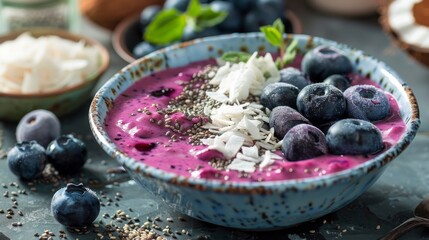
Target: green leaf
pixel 278 24
pixel 194 8
pixel 210 18
pixel 290 53
pixel 272 35
pixel 292 46
pixel 235 57
pixel 167 27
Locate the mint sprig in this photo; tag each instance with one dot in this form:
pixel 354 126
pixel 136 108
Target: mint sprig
pixel 235 57
pixel 169 25
pixel 274 35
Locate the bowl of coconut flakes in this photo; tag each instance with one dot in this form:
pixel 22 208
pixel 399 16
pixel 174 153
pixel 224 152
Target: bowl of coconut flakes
pixel 48 69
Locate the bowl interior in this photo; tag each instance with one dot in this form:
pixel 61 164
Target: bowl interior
pixel 104 59
pixel 212 47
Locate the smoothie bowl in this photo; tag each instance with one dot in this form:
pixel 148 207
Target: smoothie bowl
pixel 166 120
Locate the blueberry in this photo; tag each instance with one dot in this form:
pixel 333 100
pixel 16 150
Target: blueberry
pixel 232 22
pixel 321 102
pixel 75 206
pixel 243 5
pixel 324 61
pixel 258 17
pixel 180 5
pixel 27 160
pixel 39 125
pixel 354 137
pixel 304 141
pixel 67 154
pixel 294 76
pixel 190 33
pixel 148 14
pixel 143 49
pixel 283 118
pixel 367 102
pixel 275 4
pixel 279 94
pixel 341 82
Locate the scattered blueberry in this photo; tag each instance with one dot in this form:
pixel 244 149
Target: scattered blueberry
pixel 275 4
pixel 232 22
pixel 321 102
pixel 75 206
pixel 324 61
pixel 279 94
pixel 294 76
pixel 258 17
pixel 354 137
pixel 67 154
pixel 143 49
pixel 304 141
pixel 148 14
pixel 39 125
pixel 27 160
pixel 243 5
pixel 180 5
pixel 367 102
pixel 341 82
pixel 190 33
pixel 283 118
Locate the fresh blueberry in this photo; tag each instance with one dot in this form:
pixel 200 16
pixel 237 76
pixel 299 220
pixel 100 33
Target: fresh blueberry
pixel 304 141
pixel 279 94
pixel 243 5
pixel 190 33
pixel 294 76
pixel 143 49
pixel 283 118
pixel 148 14
pixel 232 22
pixel 367 102
pixel 75 206
pixel 39 125
pixel 180 5
pixel 258 17
pixel 67 154
pixel 341 82
pixel 27 160
pixel 354 137
pixel 275 4
pixel 324 61
pixel 321 102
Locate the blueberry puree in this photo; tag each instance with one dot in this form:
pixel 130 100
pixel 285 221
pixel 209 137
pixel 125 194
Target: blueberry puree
pixel 138 130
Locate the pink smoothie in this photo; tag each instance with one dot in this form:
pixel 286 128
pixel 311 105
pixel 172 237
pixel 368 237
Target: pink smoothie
pixel 136 128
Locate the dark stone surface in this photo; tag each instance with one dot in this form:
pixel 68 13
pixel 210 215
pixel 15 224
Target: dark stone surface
pixel 386 204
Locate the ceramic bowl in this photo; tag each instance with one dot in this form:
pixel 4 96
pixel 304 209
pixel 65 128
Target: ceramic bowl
pixel 128 34
pixel 257 205
pixel 61 102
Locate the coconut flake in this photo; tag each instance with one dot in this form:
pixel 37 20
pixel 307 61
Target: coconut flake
pixel 241 165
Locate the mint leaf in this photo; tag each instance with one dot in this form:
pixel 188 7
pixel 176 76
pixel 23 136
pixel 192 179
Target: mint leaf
pixel 210 18
pixel 194 8
pixel 278 24
pixel 272 35
pixel 290 53
pixel 167 27
pixel 235 57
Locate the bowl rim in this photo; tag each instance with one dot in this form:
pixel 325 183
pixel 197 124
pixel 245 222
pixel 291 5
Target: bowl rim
pixel 118 38
pixel 37 32
pixel 265 187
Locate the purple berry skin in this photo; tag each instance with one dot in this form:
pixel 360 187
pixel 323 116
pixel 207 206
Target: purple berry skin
pixel 39 125
pixel 324 61
pixel 75 206
pixel 67 154
pixel 321 102
pixel 294 76
pixel 339 81
pixel 367 102
pixel 283 118
pixel 27 160
pixel 304 141
pixel 354 137
pixel 232 22
pixel 279 94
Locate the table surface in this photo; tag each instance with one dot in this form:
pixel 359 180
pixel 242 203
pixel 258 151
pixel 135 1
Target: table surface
pixel 387 203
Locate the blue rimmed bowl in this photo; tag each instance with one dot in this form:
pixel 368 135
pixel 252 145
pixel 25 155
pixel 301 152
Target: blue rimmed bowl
pixel 261 205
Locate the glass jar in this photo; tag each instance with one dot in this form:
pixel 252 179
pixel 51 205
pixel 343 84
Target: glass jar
pixel 25 14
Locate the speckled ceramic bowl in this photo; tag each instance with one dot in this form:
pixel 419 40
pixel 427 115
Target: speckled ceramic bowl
pixel 62 101
pixel 261 205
